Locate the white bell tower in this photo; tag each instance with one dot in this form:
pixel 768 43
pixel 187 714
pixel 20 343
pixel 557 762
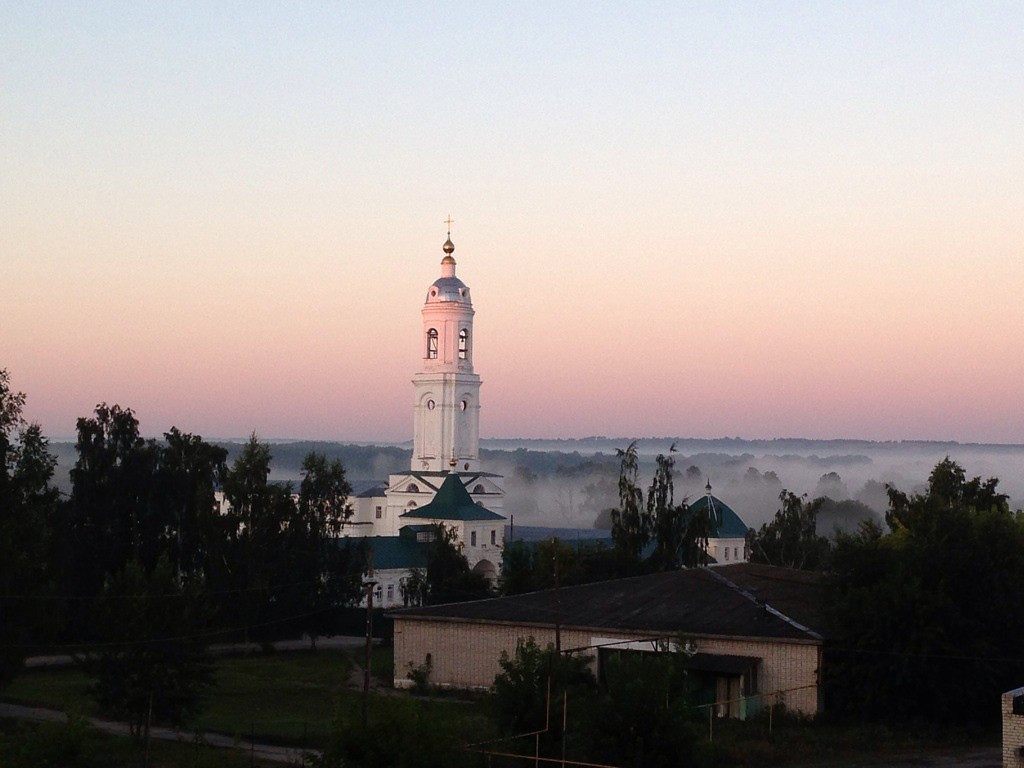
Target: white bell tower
pixel 446 434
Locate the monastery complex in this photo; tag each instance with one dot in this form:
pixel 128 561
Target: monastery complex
pixel 446 483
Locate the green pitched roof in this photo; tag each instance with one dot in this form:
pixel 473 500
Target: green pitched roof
pixel 394 552
pixel 726 523
pixel 452 502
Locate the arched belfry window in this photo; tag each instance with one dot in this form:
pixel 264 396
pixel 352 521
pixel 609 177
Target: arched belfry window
pixel 432 344
pixel 463 344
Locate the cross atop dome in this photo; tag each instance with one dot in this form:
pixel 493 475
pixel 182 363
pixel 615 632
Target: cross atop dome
pixel 449 246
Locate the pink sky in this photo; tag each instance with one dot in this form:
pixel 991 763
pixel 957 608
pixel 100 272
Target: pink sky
pixel 809 227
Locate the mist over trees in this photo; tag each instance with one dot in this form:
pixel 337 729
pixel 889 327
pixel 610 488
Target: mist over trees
pixel 571 483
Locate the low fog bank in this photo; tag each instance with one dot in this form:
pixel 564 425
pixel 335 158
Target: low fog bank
pixel 580 483
pixel 569 482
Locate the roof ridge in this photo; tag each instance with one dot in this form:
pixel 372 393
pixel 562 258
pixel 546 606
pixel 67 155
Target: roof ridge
pixel 774 611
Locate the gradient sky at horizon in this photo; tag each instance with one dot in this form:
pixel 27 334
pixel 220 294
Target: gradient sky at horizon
pixel 695 219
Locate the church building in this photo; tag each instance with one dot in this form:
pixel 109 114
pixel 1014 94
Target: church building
pixel 727 533
pixel 446 483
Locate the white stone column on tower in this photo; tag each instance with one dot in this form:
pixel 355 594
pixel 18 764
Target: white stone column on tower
pixel 447 391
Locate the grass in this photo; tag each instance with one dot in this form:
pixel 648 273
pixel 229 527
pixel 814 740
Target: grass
pixel 382 663
pixel 283 698
pixel 800 742
pixel 296 698
pixel 65 688
pixel 287 698
pixel 28 745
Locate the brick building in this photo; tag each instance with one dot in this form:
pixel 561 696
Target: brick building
pixel 749 630
pixel 1013 728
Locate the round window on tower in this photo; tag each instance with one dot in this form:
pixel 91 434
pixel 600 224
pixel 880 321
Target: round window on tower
pixel 430 405
pixel 463 405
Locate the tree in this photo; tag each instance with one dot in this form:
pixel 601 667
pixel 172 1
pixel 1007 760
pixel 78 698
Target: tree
pixel 324 575
pixel 698 526
pixel 531 684
pixel 845 516
pixel 531 566
pixel 323 496
pixel 642 717
pixel 188 472
pixel 597 495
pixel 153 659
pixel 255 566
pixel 27 506
pixel 448 578
pixel 667 519
pixel 638 715
pixel 791 538
pixel 925 621
pixel 831 485
pixel 517 564
pixel 112 517
pixel 631 529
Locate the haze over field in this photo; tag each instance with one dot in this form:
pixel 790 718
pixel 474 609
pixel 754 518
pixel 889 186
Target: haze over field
pixel 676 218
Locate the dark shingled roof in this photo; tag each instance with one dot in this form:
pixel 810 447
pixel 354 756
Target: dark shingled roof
pixel 452 502
pixel 797 594
pixel 697 601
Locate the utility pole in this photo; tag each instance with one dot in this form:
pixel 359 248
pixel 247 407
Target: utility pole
pixel 370 584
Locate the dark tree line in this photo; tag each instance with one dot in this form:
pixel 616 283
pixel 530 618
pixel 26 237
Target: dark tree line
pixel 924 616
pixel 926 619
pixel 28 505
pixel 143 562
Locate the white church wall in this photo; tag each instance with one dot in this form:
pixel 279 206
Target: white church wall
pixel 733 550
